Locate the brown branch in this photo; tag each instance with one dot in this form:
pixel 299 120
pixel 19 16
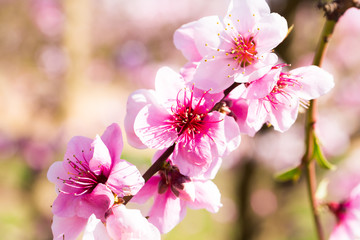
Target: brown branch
pixel 310 123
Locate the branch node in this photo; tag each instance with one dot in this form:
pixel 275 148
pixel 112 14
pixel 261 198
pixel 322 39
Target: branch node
pixel 334 9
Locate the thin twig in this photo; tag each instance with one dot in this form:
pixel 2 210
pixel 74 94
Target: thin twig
pixel 310 130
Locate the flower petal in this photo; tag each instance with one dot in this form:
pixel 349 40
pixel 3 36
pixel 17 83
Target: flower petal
pixel 188 193
pixel 223 132
pixel 67 228
pixel 124 224
pixel 199 38
pixel 257 70
pixel 112 138
pixel 207 99
pixel 78 147
pixel 65 205
pixel 214 167
pixel 206 34
pixel 55 173
pixel 240 109
pixel 342 231
pixel 193 157
pixel 147 191
pixel 152 128
pixel 257 113
pixel 232 134
pixel 285 114
pixel 97 202
pixel 168 83
pixel 124 179
pixel 272 29
pixel 101 160
pixel 315 82
pixel 206 78
pixel 136 101
pixel 261 87
pixel 207 196
pixel 188 71
pixel 95 230
pixel 184 40
pixel 167 211
pixel 248 12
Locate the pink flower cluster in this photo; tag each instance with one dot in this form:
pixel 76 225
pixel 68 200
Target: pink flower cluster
pixel 91 183
pixel 193 112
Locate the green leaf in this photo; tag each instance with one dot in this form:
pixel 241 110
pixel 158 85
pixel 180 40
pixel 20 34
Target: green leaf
pixel 319 156
pixel 292 174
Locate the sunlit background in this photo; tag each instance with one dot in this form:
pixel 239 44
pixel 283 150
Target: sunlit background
pixel 68 66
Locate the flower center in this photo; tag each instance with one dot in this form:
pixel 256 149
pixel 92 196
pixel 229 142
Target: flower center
pixel 173 179
pixel 82 179
pixel 281 92
pixel 188 120
pixel 339 209
pixel 244 52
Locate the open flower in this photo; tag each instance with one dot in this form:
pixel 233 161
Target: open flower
pixel 286 91
pixel 173 193
pixel 91 178
pixel 238 48
pixel 177 112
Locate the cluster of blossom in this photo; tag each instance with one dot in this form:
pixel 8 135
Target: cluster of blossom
pixel 232 84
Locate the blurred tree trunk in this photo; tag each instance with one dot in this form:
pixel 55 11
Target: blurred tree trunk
pixel 287 9
pixel 77 46
pixel 247 224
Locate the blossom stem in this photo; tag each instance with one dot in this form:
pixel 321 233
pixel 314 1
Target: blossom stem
pixel 159 163
pixel 227 91
pixel 310 130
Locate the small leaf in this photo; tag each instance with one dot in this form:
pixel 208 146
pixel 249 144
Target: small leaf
pixel 292 174
pixel 319 156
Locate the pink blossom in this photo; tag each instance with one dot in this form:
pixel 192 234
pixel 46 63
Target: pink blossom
pixel 173 192
pixel 124 224
pixel 91 174
pixel 288 90
pixel 177 112
pixel 348 217
pixel 238 48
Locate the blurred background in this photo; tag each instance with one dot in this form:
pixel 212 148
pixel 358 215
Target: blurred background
pixel 67 68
